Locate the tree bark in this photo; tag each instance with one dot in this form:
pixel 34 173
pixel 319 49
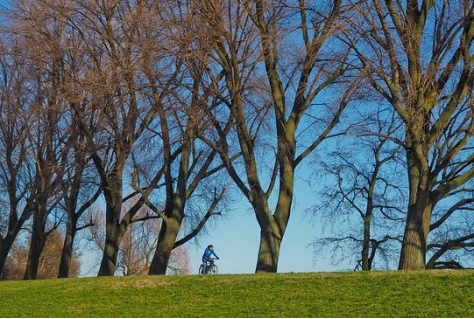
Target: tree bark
pixel 66 254
pixel 269 251
pixel 366 265
pixel 14 227
pixel 415 239
pixel 414 245
pixel 111 249
pixel 5 247
pixel 114 228
pixel 166 241
pixel 37 242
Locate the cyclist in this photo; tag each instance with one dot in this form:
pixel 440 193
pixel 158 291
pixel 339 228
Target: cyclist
pixel 208 252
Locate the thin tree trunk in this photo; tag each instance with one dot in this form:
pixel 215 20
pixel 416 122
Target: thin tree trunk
pixel 366 244
pixel 14 226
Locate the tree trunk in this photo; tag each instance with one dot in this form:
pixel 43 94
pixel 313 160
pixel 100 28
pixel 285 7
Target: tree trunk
pixel 413 253
pixel 273 226
pixel 113 238
pixel 38 240
pixel 168 234
pixel 66 255
pixel 114 232
pixel 114 227
pixel 414 245
pixel 271 233
pixel 366 244
pixel 412 256
pixel 5 247
pixel 269 251
pixel 14 226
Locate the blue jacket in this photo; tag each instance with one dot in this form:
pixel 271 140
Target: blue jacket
pixel 208 253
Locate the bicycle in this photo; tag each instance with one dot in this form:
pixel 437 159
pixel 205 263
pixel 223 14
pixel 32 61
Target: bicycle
pixel 209 268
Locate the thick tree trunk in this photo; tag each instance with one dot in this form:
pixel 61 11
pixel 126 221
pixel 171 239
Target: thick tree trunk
pixel 273 226
pixel 168 234
pixel 34 254
pixel 413 253
pixel 414 245
pixel 5 247
pixel 412 256
pixel 38 240
pixel 66 254
pixel 114 228
pixel 113 238
pixel 271 234
pixel 269 251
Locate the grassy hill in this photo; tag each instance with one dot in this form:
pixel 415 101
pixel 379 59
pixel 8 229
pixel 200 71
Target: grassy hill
pixel 354 294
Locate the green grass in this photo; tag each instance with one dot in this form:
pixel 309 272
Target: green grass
pixel 354 294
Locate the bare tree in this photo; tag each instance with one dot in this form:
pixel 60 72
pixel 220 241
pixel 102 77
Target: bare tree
pixel 47 172
pixel 80 188
pixel 47 132
pixel 79 195
pixel 419 54
pixel 276 60
pixel 42 139
pixel 14 103
pixel 105 76
pixel 52 135
pixel 364 205
pixel 49 260
pixel 188 169
pixel 119 107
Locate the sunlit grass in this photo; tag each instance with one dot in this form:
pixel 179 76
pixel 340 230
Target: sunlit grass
pixel 355 294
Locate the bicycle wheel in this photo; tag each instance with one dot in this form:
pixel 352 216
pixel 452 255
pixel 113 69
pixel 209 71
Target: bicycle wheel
pixel 213 270
pixel 201 270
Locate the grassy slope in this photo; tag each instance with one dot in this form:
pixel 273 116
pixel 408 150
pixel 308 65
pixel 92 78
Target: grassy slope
pixel 358 294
